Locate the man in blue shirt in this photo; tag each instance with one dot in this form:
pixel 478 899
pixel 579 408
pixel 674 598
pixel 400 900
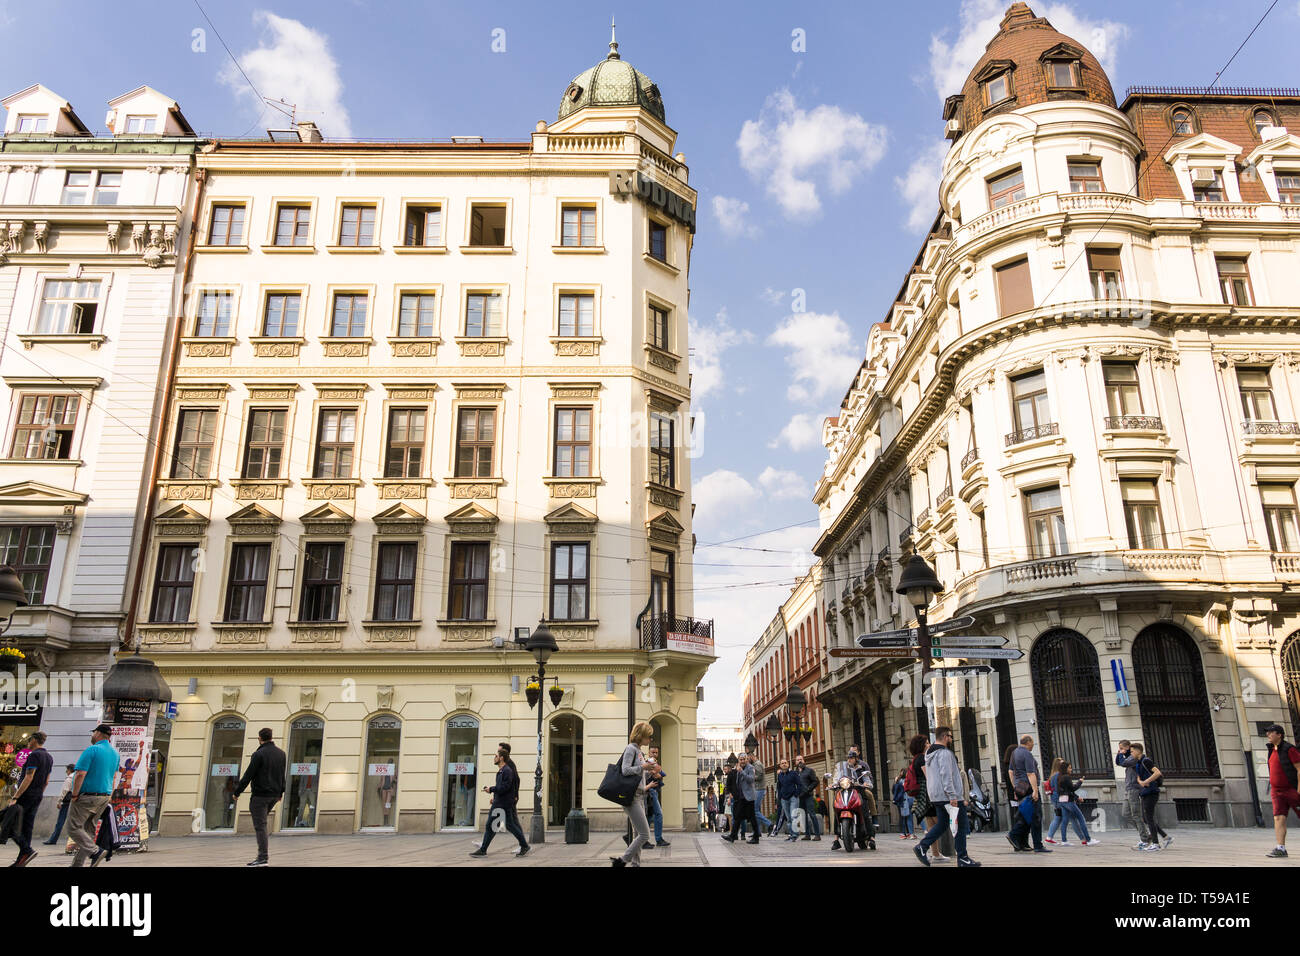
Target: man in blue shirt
pixel 92 787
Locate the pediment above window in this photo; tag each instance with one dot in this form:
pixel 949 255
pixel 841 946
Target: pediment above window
pixel 570 518
pixel 1061 51
pixel 664 528
pixel 180 521
pixel 1202 146
pixel 400 519
pixel 994 68
pixel 473 518
pixel 35 493
pixel 253 519
pixel 327 518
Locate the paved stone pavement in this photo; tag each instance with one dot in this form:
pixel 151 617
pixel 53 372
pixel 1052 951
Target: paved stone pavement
pixel 1191 847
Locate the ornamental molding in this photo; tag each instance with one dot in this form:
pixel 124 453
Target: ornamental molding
pixel 230 697
pixel 241 635
pixel 585 489
pixel 312 633
pixel 404 392
pixel 276 349
pixel 573 390
pixel 215 392
pixel 330 491
pixel 400 490
pixel 1224 359
pixel 272 393
pixel 399 519
pixel 253 520
pixel 187 491
pixel 570 518
pixel 662 497
pixel 327 518
pixel 208 349
pixel 472 518
pixel 425 349
pixel 167 636
pixel 180 521
pixel 481 349
pixel 306 698
pixel 577 347
pixel 664 528
pixel 463 693
pixel 389 633
pixel 461 490
pixel 475 391
pixel 384 697
pixel 346 349
pixel 465 633
pixel 257 490
pixel 332 392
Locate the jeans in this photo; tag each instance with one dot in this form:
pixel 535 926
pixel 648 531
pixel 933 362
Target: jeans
pixel 905 813
pixel 1133 813
pixel 24 837
pixel 1149 802
pixel 1021 831
pixel 941 823
pixel 640 830
pixel 758 814
pixel 655 814
pixel 1058 823
pixel 511 815
pixel 259 808
pixel 58 825
pixel 788 806
pixel 1072 813
pixel 85 813
pixel 809 807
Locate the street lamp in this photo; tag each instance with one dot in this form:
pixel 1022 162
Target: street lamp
pixel 12 595
pixel 541 644
pixel 795 702
pixel 773 727
pixel 919 584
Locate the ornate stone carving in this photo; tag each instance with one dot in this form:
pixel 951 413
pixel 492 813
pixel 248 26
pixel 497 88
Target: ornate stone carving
pixel 659 359
pixel 198 491
pixel 208 349
pixel 390 491
pixel 384 696
pixel 257 491
pixel 241 635
pixel 272 393
pixel 463 692
pixel 572 391
pixel 137 237
pixel 584 490
pixel 14 236
pixel 275 349
pixel 253 520
pixel 464 490
pixel 157 246
pixel 390 634
pixel 201 393
pixel 411 393
pixel 466 632
pixel 341 393
pixel 482 349
pixel 327 519
pixel 472 518
pixel 346 349
pixel 1224 359
pixel 587 348
pixel 326 634
pixel 478 393
pixel 570 633
pixel 664 498
pixel 41 233
pixel 571 519
pixel 415 349
pixel 163 637
pixel 307 698
pixel 229 698
pixel 330 492
pixel 399 519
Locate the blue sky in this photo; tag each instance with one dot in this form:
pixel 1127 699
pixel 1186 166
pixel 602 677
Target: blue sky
pixel 816 169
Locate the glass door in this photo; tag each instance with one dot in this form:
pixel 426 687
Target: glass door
pixel 379 796
pixel 306 741
pixel 461 782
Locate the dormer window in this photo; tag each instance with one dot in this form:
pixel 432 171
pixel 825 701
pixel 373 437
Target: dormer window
pixel 1182 121
pixel 141 125
pixel 33 123
pixel 1207 186
pixel 997 89
pixel 1063 74
pixel 1263 120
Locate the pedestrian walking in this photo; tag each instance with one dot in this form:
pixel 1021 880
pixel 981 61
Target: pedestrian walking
pixel 743 800
pixel 1150 778
pixel 808 799
pixel 654 801
pixel 265 774
pixel 1049 788
pixel 65 801
pixel 633 762
pixel 760 792
pixel 788 790
pixel 93 782
pixel 505 801
pixel 903 800
pixel 36 774
pixel 1025 781
pixel 711 808
pixel 1132 810
pixel 1283 759
pixel 1067 798
pixel 946 790
pixel 922 809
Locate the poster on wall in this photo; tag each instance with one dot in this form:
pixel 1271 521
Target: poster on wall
pixel 132 722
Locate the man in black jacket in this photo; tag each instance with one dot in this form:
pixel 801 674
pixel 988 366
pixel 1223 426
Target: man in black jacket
pixel 505 795
pixel 266 775
pixel 808 798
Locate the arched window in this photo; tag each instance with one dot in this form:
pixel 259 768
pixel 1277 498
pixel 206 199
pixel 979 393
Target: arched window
pixel 306 741
pixel 379 798
pixel 1171 693
pixel 460 788
pixel 1068 700
pixel 1291 679
pixel 1263 118
pixel 1182 121
pixel 224 757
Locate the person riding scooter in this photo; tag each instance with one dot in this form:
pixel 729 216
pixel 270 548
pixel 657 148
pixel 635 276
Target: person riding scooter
pixel 859 774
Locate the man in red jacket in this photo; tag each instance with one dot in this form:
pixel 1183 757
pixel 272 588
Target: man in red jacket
pixel 1283 762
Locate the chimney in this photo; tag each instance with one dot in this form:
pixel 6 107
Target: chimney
pixel 309 133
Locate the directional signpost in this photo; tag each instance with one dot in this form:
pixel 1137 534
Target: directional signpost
pixel 904 651
pixel 979 653
pixel 971 670
pixel 955 624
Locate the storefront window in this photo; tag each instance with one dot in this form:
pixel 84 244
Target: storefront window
pixel 306 740
pixel 225 755
pixel 16 727
pixel 379 798
pixel 162 739
pixel 564 768
pixel 462 753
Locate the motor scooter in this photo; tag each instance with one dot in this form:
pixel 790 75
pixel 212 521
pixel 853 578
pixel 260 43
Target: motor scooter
pixel 981 807
pixel 847 803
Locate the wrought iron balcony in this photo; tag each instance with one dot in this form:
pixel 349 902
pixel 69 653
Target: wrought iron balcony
pixel 944 497
pixel 655 631
pixel 905 535
pixel 1270 428
pixel 970 458
pixel 923 519
pixel 1045 430
pixel 883 555
pixel 1145 423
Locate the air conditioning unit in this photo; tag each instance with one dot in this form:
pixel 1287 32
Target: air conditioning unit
pixel 1203 175
pixel 953 129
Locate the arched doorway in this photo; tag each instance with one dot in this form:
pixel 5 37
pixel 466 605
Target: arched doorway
pixel 666 732
pixel 224 757
pixel 460 788
pixel 302 798
pixel 379 783
pixel 1291 680
pixel 1069 703
pixel 1170 681
pixel 564 768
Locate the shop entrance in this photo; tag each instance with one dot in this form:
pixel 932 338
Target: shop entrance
pixel 564 778
pixel 17 724
pixel 306 740
pixel 224 758
pixel 162 739
pixel 379 796
pixel 460 781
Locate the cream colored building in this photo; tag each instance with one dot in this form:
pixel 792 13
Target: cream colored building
pixel 1081 410
pixel 430 394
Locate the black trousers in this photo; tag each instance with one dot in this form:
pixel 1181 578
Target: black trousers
pixel 1149 802
pixel 1022 831
pixel 24 837
pixel 744 811
pixel 259 808
pixel 512 825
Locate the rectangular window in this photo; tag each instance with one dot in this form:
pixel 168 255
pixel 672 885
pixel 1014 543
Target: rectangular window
pixel 405 443
pixel 1256 394
pixel 418 315
pixel 68 307
pixel 984 538
pixel 264 454
pixel 1123 397
pixel 1280 516
pixel 662 449
pixel 141 125
pixel 663 584
pixel 292 225
pixel 281 317
pixel 349 317
pixel 1015 289
pixel 1142 519
pixel 196 433
pixel 467 597
pixel 475 440
pixel 570 581
pixel 659 328
pixel 214 316
pixel 1085 178
pixel 173 587
pixel 76 188
pixel 32 123
pixel 1234 281
pixel 107 189
pixel 1046 522
pixel 1029 401
pixel 997 89
pixel 28 549
pixel 483 315
pixel 336 442
pixel 1062 74
pixel 227 226
pixel 423 226
pixel 487 225
pixel 322 581
pixel 395 583
pixel 46 426
pixel 246 587
pixel 577 314
pixel 1104 273
pixel 357 226
pixel 1288 187
pixel 1208 188
pixel 658 241
pixel 578 226
pixel 1007 188
pixel 573 442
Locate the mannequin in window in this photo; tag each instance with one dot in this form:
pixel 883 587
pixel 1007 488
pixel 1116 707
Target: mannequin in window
pixel 387 790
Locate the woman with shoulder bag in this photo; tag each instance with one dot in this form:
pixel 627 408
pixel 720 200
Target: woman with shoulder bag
pixel 1067 800
pixel 632 762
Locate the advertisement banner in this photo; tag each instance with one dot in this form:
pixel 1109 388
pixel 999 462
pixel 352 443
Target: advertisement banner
pixel 132 723
pixel 690 643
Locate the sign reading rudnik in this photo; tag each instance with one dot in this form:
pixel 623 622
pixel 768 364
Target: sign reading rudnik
pixel 624 182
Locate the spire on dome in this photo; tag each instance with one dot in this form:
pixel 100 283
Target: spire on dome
pixel 613 42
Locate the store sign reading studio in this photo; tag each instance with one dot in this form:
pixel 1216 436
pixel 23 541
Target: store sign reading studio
pixel 625 182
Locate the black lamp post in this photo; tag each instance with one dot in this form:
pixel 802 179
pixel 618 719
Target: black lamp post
pixel 919 584
pixel 541 644
pixel 12 595
pixel 795 702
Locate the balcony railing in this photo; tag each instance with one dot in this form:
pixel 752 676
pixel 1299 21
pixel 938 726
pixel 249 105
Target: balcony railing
pixel 883 555
pixel 906 534
pixel 1270 428
pixel 1043 569
pixel 970 458
pixel 1134 423
pixel 1287 565
pixel 1163 560
pixel 655 630
pixel 944 496
pixel 1030 434
pixel 923 519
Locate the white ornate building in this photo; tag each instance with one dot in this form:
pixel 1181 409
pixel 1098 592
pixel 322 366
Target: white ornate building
pixel 1082 411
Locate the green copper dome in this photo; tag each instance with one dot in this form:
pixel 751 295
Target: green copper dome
pixel 612 82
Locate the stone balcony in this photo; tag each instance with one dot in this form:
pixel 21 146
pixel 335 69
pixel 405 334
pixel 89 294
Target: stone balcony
pixel 1133 423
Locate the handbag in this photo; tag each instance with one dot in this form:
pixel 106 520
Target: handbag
pixel 618 787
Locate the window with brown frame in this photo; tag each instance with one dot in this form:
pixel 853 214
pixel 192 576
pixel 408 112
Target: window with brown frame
pixel 1142 519
pixel 280 318
pixel 1123 395
pixel 1208 190
pixel 1256 394
pixel 336 442
pixel 468 584
pixel 1006 188
pixel 349 319
pixel 227 225
pixel 28 549
pixel 1288 186
pixel 659 328
pixel 1015 290
pixel 997 89
pixel 577 314
pixel 196 433
pixel 322 581
pixel 417 315
pixel 1063 74
pixel 46 426
pixel 1280 516
pixel 395 582
pixel 483 315
pixel 573 442
pixel 475 441
pixel 1046 518
pixel 357 226
pixel 578 226
pixel 405 453
pixel 1263 119
pixel 1029 401
pixel 292 225
pixel 250 565
pixel 570 581
pixel 1104 274
pixel 173 585
pixel 487 224
pixel 68 307
pixel 658 241
pixel 264 452
pixel 1183 122
pixel 423 225
pixel 663 456
pixel 1234 280
pixel 215 314
pixel 1085 177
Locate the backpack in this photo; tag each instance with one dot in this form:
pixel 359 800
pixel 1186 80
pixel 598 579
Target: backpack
pixel 1283 751
pixel 911 786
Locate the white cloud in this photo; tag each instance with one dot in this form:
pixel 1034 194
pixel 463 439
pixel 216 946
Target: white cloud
pixel 772 296
pixel 294 64
pixel 790 149
pixel 782 484
pixel 823 355
pixel 731 215
pixel 722 494
pixel 708 343
pixel 919 186
pixel 951 62
pixel 802 431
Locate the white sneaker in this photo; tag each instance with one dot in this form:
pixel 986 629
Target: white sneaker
pixel 1152 847
pixel 936 858
pixel 1168 840
pixel 1061 842
pixel 1142 845
pixel 1092 842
